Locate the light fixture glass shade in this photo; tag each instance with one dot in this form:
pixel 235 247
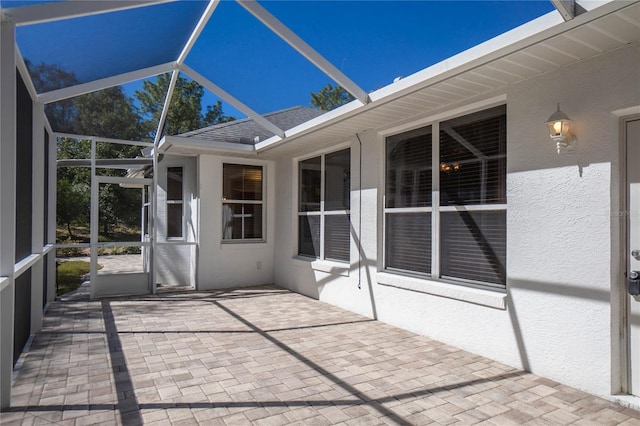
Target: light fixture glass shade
pixel 559 128
pixel 559 125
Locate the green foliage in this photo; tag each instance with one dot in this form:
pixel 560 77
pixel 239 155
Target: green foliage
pixel 110 113
pixel 71 251
pixel 46 78
pixel 330 97
pixel 185 110
pixel 215 115
pixel 118 250
pixel 72 202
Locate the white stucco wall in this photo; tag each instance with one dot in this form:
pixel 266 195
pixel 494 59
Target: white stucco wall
pixel 334 282
pixel 561 241
pixel 176 257
pixel 232 264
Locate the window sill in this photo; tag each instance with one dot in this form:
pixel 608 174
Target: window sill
pixel 327 266
pixel 242 244
pixel 491 299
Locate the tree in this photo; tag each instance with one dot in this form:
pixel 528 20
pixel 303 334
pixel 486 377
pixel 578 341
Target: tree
pixel 215 115
pixel 71 204
pixel 330 97
pixel 108 113
pixel 48 77
pixel 185 111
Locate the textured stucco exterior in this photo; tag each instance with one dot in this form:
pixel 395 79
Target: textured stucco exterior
pixel 232 264
pixel 559 317
pixel 560 314
pixel 176 257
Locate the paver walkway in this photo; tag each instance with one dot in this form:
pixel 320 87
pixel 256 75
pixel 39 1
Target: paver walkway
pixel 264 355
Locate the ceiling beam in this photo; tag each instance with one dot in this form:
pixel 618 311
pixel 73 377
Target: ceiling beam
pixel 304 49
pixel 104 83
pixel 217 90
pixel 566 8
pixel 165 107
pixel 56 11
pixel 213 4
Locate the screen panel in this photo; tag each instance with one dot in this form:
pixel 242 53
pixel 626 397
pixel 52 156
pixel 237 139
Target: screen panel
pixel 98 46
pixel 24 170
pixel 22 314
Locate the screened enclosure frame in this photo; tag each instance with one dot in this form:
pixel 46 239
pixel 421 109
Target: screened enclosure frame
pixel 58 11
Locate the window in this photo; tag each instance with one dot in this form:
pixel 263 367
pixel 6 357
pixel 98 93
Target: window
pixel 175 215
pixel 242 201
pixel 445 200
pixel 323 206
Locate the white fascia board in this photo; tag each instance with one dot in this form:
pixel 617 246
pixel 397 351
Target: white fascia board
pixel 303 48
pixel 56 11
pixel 211 7
pixel 531 33
pixel 317 123
pixel 99 139
pixel 199 145
pixel 471 58
pixel 217 90
pixel 519 38
pixel 104 83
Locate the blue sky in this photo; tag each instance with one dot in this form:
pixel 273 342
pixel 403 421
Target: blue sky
pixel 372 42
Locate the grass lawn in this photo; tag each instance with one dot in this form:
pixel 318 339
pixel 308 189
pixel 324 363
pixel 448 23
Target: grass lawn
pixel 70 275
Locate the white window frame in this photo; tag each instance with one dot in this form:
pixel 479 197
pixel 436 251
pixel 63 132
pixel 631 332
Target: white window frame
pixel 169 202
pixel 223 201
pixel 322 213
pixel 435 209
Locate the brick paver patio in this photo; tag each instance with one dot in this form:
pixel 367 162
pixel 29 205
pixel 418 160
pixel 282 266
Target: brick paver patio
pixel 264 355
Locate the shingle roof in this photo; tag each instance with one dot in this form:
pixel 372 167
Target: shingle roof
pixel 246 131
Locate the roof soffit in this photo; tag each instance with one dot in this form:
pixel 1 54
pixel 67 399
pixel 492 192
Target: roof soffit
pixel 538 47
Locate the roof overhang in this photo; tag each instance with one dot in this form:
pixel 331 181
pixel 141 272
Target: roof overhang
pixel 535 48
pixel 178 145
pixel 538 47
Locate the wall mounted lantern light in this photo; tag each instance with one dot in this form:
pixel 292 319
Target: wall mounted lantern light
pixel 559 125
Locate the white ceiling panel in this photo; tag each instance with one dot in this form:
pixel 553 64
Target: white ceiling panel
pixel 566 44
pixel 485 76
pixel 470 85
pixel 551 54
pixel 515 68
pixel 500 74
pixel 622 29
pixel 532 62
pixel 594 39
